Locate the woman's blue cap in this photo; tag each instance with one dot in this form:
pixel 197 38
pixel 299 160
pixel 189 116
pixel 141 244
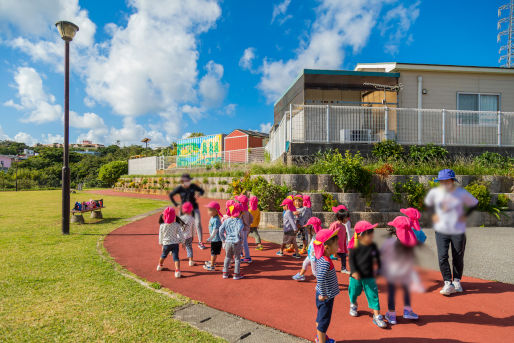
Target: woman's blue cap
pixel 445 174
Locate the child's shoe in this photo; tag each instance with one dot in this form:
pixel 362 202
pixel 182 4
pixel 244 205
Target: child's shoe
pixel 299 277
pixel 209 268
pixel 409 314
pixel 391 317
pixel 280 253
pixel 447 289
pixel 247 260
pixel 191 263
pixel 353 310
pixel 379 321
pixel 328 340
pixel 303 251
pixel 296 255
pixel 201 246
pixel 159 267
pixel 226 275
pixel 207 263
pixel 290 249
pixel 238 276
pixel 457 286
pixel 259 247
pixel 177 274
pixel 345 271
pixel 332 257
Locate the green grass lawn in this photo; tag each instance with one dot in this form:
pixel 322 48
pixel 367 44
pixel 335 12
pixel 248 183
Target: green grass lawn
pixel 56 288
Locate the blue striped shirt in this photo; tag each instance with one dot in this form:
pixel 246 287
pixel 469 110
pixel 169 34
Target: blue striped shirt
pixel 326 277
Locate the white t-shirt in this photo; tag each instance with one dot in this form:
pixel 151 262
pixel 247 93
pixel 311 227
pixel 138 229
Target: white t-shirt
pixel 449 207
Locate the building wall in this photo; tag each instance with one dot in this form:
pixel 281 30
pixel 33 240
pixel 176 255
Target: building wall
pixel 331 96
pixel 256 142
pixel 7 161
pixel 143 166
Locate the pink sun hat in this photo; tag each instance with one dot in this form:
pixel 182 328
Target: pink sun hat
pixel 214 205
pixel 228 204
pixel 169 215
pixel 338 208
pixel 360 227
pixel 243 200
pixel 321 237
pixel 413 215
pixel 404 231
pixel 187 207
pixel 235 210
pixel 306 201
pixel 289 203
pixel 315 222
pixel 254 202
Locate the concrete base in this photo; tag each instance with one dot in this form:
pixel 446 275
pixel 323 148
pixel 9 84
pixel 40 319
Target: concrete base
pixel 77 219
pixel 96 214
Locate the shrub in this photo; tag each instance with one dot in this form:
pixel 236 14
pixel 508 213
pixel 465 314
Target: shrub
pixel 328 201
pixel 427 153
pixel 205 180
pixel 387 150
pixel 111 171
pixel 213 190
pixel 208 167
pixel 270 195
pixel 413 192
pixel 221 190
pixel 492 159
pixel 347 172
pixel 385 170
pixel 503 201
pixel 218 165
pixel 223 182
pixel 480 191
pixel 241 185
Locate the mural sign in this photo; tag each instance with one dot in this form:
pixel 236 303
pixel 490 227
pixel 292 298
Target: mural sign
pixel 200 151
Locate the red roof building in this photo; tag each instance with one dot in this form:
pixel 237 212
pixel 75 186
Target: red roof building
pixel 243 146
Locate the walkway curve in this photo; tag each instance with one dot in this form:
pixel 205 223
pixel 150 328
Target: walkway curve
pixel 485 312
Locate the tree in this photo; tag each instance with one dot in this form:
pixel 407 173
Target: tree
pixel 109 173
pixel 195 134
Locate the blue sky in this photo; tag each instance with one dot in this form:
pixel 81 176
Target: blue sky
pixel 161 69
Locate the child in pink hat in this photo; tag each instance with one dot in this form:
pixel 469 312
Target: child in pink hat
pixel 327 287
pixel 303 214
pixel 414 215
pixel 314 226
pixel 170 236
pixel 214 224
pixel 189 228
pixel 230 232
pixel 290 228
pixel 342 224
pixel 363 255
pixel 247 218
pixel 254 227
pixel 398 266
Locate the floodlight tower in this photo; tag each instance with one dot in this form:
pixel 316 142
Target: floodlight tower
pixel 506 15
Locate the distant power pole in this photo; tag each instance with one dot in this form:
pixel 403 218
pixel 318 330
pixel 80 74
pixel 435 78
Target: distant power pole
pixel 506 21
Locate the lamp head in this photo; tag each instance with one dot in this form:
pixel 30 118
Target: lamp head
pixel 67 30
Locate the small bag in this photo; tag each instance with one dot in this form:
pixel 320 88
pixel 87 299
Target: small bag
pixel 420 235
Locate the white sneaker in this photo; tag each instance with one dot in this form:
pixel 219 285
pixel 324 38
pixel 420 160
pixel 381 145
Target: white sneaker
pixel 191 263
pixel 457 286
pixel 159 267
pixel 353 310
pixel 177 274
pixel 447 289
pixel 345 271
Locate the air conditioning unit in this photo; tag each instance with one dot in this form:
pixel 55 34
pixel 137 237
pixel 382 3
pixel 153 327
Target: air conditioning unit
pixel 359 135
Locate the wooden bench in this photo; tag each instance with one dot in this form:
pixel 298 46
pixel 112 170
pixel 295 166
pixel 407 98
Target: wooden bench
pixel 77 217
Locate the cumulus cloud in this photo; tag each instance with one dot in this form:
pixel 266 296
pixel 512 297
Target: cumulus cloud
pixel 212 90
pixel 246 60
pixel 3 135
pixel 265 127
pixel 39 106
pixel 396 24
pixel 51 138
pixel 23 137
pixel 279 9
pixel 86 121
pixel 339 24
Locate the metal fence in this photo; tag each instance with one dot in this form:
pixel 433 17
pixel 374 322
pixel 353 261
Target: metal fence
pixel 354 124
pixel 228 158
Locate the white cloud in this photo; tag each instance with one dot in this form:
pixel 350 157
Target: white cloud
pixel 23 137
pixel 229 110
pixel 87 121
pixel 51 138
pixel 265 127
pixel 211 88
pixel 339 24
pixel 280 9
pixel 246 60
pixel 38 104
pixel 132 133
pixel 3 135
pixel 396 24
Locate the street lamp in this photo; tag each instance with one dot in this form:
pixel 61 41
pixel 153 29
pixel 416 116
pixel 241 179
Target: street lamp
pixel 67 31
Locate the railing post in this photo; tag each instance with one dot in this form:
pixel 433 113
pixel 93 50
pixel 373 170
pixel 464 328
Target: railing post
pixel 328 123
pixel 499 129
pixel 420 126
pixel 443 114
pixel 290 122
pixel 386 122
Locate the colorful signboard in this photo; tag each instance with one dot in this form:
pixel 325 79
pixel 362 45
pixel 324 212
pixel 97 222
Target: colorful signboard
pixel 200 151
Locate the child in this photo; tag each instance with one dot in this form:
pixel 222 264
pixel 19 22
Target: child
pixel 414 216
pixel 214 225
pixel 247 221
pixel 254 227
pixel 313 224
pixel 227 206
pixel 304 213
pixel 327 286
pixel 398 266
pixel 290 228
pixel 342 224
pixel 189 228
pixel 363 253
pixel 170 236
pixel 230 233
pixel 451 205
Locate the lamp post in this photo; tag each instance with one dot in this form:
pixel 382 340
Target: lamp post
pixel 67 31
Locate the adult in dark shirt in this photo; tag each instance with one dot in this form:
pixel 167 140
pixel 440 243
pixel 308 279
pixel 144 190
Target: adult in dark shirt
pixel 190 192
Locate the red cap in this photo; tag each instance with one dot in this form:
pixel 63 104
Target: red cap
pixel 360 227
pixel 289 203
pixel 404 231
pixel 169 215
pixel 338 208
pixel 315 222
pixel 321 237
pixel 214 205
pixel 187 207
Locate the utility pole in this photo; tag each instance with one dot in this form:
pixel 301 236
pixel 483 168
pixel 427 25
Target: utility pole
pixel 507 21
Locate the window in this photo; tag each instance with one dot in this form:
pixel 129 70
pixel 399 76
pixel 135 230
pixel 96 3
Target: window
pixel 478 102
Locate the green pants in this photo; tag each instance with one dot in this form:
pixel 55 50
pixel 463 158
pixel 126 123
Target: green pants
pixel 370 289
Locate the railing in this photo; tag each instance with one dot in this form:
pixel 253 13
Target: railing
pixel 354 124
pixel 229 157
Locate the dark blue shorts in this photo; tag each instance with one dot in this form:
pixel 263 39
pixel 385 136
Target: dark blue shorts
pixel 170 248
pixel 216 248
pixel 324 313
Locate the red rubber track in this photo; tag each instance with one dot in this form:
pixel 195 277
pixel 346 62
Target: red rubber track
pixel 267 295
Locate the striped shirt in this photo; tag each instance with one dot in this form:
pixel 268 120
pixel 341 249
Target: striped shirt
pixel 326 277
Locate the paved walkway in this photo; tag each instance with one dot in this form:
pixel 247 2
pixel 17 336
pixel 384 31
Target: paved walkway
pixel 485 312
